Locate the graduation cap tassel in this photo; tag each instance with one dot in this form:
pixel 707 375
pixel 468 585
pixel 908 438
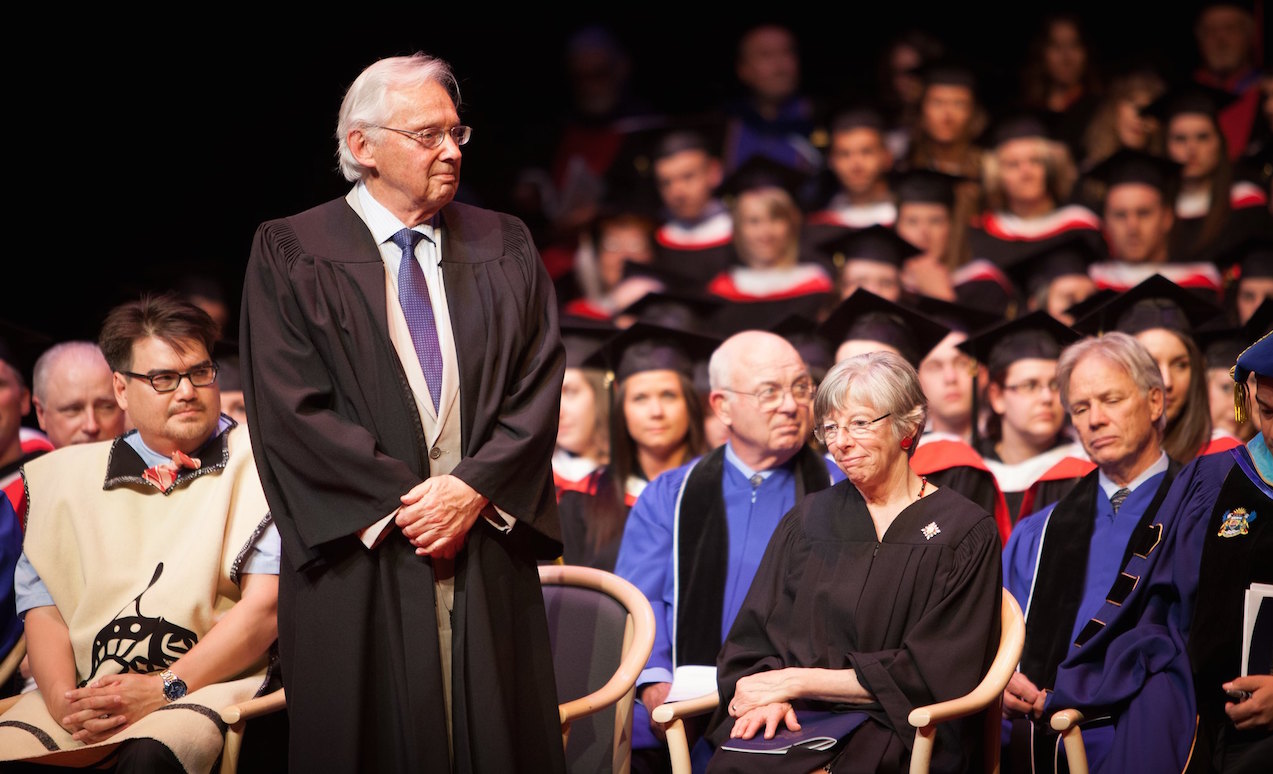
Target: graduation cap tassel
pixel 1240 402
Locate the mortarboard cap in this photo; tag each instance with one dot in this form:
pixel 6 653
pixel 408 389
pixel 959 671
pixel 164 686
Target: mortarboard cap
pixel 646 347
pixel 669 141
pixel 1157 302
pixel 955 316
pixel 948 72
pixel 925 186
pixel 765 315
pixel 1221 342
pixel 864 316
pixel 1256 358
pixel 873 243
pixel 1133 166
pixel 684 310
pixel 858 116
pixel 760 171
pixel 1036 335
pixel 1188 98
pixel 1018 126
pixel 1054 258
pixel 801 331
pixel 1084 308
pixel 583 336
pixel 1252 257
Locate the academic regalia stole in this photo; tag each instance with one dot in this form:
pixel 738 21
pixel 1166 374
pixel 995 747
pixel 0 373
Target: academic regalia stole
pixel 1058 589
pixel 702 550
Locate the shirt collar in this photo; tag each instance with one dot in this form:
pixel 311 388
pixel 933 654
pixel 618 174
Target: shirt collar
pixel 741 466
pixel 1109 487
pixel 385 224
pixel 151 457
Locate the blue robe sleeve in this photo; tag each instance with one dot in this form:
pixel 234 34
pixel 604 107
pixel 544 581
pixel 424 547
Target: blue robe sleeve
pixel 645 560
pixel 10 550
pixel 1021 556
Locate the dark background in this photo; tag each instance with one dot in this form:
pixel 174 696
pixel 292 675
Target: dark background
pixel 157 152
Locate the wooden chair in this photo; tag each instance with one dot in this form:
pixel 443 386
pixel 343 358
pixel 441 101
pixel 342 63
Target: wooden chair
pixel 1067 722
pixel 236 717
pixel 987 698
pixel 602 632
pixel 12 659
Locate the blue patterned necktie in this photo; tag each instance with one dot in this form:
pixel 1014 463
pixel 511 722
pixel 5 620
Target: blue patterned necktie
pixel 413 295
pixel 1116 499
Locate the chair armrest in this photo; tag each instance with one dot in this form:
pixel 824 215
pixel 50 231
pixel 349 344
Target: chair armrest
pixel 1068 722
pixel 13 658
pixel 261 705
pixel 674 710
pixel 7 702
pixel 991 687
pixel 1066 719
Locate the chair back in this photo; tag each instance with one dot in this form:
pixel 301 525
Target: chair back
pixel 602 630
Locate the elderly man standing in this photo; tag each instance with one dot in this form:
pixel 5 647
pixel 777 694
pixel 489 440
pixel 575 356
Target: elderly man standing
pixel 149 573
pixel 1062 563
pixel 73 395
pixel 402 369
pixel 696 534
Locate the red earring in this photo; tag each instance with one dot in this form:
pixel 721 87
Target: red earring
pixel 906 442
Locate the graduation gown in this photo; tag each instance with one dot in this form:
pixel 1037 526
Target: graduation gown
pixel 916 615
pixel 1005 239
pixel 1129 661
pixel 338 440
pixel 580 508
pixel 1234 552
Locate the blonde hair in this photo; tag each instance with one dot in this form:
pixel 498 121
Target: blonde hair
pixel 779 204
pixel 1060 176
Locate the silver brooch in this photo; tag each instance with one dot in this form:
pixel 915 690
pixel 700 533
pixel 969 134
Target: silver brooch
pixel 931 531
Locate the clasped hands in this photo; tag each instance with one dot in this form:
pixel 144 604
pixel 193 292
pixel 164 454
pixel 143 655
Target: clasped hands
pixel 108 705
pixel 1023 698
pixel 437 514
pixel 762 701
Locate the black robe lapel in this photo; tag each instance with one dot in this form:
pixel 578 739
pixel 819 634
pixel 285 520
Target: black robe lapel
pixel 702 558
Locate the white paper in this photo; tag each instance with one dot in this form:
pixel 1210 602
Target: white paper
pixel 690 682
pixel 1254 596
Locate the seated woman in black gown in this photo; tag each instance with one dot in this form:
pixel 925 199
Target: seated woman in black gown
pixel 874 597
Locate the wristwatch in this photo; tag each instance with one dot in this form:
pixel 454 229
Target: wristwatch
pixel 174 687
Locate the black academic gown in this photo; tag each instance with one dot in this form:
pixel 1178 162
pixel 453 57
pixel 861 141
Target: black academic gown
pixel 1236 551
pixel 580 510
pixel 338 440
pixel 916 615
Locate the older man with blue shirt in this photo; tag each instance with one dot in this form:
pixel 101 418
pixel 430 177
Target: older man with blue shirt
pixel 696 534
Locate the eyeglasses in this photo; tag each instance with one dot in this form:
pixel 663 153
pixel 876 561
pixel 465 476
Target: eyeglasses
pixel 169 381
pixel 433 138
pixel 1034 386
pixel 858 428
pixel 769 396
